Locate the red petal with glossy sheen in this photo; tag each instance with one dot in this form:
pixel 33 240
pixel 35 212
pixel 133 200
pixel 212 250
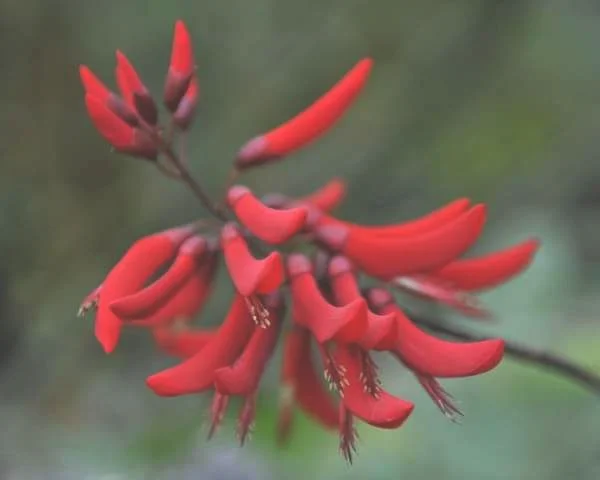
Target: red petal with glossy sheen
pixel 487 271
pixel 186 302
pixel 197 373
pixel 328 197
pixel 243 377
pixel 388 257
pixel 270 225
pixel 310 309
pixel 93 85
pixel 182 343
pixel 133 91
pixel 147 300
pixel 138 264
pixel 181 67
pixel 381 330
pixel 250 276
pixel 308 125
pixel 435 357
pixel 385 411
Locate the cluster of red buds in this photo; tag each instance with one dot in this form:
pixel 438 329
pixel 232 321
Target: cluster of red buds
pixel 341 306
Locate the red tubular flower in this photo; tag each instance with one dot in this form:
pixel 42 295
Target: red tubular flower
pixel 328 197
pixel 186 109
pixel 182 343
pixel 185 303
pixel 301 385
pixel 249 275
pixel 308 125
pixel 270 225
pixel 381 330
pixel 197 373
pixel 487 271
pixel 310 310
pixel 181 67
pixel 243 376
pixel 134 92
pixel 140 262
pixel 389 257
pixel 384 410
pixel 147 300
pixel 431 356
pixel 121 135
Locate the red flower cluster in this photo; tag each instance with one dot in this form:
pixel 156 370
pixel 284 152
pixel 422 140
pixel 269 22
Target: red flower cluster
pixel 331 307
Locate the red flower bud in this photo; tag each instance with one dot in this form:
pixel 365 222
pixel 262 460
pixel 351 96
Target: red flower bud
pixel 122 136
pixel 390 256
pixel 308 125
pixel 181 67
pixel 186 302
pixel 140 262
pixel 428 355
pixel 144 302
pixel 95 88
pixel 271 225
pixel 347 323
pixel 134 92
pixel 197 373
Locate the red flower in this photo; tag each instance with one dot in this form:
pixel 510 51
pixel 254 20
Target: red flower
pixel 308 125
pixel 335 307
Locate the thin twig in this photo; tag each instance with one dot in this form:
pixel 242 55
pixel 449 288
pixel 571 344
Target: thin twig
pixel 541 358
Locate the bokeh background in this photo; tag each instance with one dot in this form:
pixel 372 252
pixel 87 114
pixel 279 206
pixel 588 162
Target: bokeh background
pixel 495 100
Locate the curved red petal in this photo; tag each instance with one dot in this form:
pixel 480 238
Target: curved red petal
pixel 487 271
pixel 138 264
pixel 243 377
pixel 186 302
pixel 388 257
pixel 310 309
pixel 197 373
pixel 381 329
pixel 250 276
pixel 143 302
pixel 270 225
pixel 433 356
pixel 310 124
pixel 383 411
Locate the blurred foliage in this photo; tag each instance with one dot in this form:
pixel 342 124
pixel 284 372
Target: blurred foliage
pixel 496 100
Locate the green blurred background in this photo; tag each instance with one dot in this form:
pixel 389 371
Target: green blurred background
pixel 495 100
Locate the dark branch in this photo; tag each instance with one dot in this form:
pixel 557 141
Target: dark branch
pixel 541 358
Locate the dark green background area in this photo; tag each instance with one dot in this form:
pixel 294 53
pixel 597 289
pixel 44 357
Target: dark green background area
pixel 495 100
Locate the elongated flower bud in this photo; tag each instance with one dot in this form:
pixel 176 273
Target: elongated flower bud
pixel 184 115
pixel 181 67
pixel 328 197
pixel 308 125
pixel 134 92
